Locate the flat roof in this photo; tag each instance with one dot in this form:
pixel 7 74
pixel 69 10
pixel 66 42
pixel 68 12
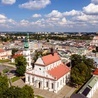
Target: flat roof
pixel 88 86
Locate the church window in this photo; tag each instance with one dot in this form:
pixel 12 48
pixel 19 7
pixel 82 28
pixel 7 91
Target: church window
pixel 46 84
pixel 61 82
pixel 52 85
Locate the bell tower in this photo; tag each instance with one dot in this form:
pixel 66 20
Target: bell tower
pixel 26 52
pixel 26 42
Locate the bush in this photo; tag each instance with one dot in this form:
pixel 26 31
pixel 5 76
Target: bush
pixel 6 70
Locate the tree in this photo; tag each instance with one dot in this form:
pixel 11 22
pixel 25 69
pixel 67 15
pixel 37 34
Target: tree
pixel 89 62
pixel 75 59
pixel 27 92
pixel 80 74
pixel 14 50
pixel 3 85
pixel 20 63
pixel 13 92
pixel 81 69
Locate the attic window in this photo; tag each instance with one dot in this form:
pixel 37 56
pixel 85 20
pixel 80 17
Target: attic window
pixel 39 68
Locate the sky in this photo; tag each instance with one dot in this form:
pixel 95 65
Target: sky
pixel 49 15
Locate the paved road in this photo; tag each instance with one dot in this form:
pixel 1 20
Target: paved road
pixel 11 70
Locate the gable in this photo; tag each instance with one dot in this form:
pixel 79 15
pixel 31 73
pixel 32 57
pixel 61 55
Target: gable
pixel 39 61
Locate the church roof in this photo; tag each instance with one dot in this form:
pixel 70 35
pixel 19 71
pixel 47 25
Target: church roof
pixel 51 58
pixel 59 71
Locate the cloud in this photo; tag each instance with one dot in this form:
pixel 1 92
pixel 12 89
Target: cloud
pixel 53 21
pixel 36 15
pixel 94 1
pixel 10 2
pixel 2 18
pixel 24 22
pixel 55 14
pixel 72 13
pixel 91 9
pixel 35 4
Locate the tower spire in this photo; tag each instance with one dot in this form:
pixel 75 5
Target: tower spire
pixel 26 42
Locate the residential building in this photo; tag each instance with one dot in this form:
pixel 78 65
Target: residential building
pixel 88 90
pixel 5 54
pixel 94 42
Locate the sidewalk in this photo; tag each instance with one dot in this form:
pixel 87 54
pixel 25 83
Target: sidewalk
pixel 10 65
pixel 65 92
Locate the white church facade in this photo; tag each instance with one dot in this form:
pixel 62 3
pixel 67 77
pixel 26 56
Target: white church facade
pixel 49 73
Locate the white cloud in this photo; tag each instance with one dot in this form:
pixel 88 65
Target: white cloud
pixel 63 21
pixel 91 9
pixel 53 21
pixel 10 2
pixel 94 1
pixel 24 22
pixel 72 13
pixel 55 14
pixel 2 18
pixel 82 17
pixel 35 4
pixel 36 15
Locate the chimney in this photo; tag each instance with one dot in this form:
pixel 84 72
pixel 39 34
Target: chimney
pixel 52 51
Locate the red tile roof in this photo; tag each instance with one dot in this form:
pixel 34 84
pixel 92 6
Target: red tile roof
pixel 2 50
pixel 48 59
pixel 59 71
pixel 95 72
pixel 17 55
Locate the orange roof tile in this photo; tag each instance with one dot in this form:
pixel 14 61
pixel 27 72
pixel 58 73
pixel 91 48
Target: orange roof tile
pixel 48 59
pixel 17 55
pixel 95 72
pixel 2 50
pixel 59 71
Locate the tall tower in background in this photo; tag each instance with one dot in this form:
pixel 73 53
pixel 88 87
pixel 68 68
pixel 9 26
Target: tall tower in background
pixel 26 53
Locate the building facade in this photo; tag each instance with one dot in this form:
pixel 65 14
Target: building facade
pixel 5 54
pixel 48 73
pixel 88 90
pixel 94 42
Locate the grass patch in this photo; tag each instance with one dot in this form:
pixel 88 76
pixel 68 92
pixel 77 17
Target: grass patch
pixel 12 63
pixel 15 79
pixel 3 61
pixel 6 70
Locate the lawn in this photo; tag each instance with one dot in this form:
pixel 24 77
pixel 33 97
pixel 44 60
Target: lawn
pixel 12 63
pixel 4 61
pixel 15 79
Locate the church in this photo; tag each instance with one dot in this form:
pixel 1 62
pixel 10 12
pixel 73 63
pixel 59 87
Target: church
pixel 49 73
